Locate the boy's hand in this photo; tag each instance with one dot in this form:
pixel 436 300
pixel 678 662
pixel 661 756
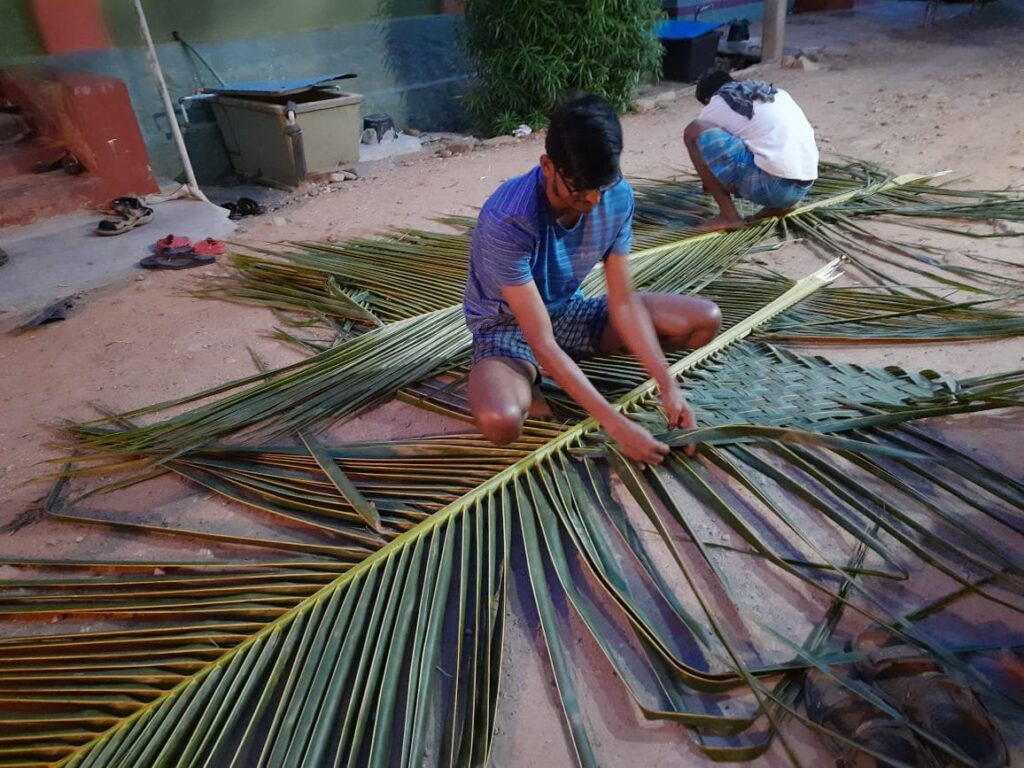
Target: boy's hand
pixel 636 442
pixel 678 413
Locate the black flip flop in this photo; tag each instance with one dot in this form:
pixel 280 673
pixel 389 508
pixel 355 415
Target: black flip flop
pixel 249 207
pixel 167 260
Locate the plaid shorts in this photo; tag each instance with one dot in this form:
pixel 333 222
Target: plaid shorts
pixel 733 165
pixel 578 326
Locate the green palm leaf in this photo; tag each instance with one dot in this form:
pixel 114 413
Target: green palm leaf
pixel 333 678
pixel 368 629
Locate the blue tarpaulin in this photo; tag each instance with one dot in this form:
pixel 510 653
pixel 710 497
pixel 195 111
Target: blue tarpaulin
pixel 675 29
pixel 276 87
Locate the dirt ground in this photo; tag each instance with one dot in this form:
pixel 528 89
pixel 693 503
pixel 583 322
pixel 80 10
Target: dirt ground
pixel 912 99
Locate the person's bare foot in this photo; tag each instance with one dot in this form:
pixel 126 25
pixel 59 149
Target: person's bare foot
pixel 771 213
pixel 539 408
pixel 721 224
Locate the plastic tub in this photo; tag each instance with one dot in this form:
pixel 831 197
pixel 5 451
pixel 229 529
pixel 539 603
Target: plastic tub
pixel 254 133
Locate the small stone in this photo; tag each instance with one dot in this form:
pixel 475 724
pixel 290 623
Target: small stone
pixel 444 153
pixel 666 96
pixel 159 572
pixel 332 238
pixel 789 62
pixel 278 221
pixel 79 539
pixel 412 132
pixel 646 104
pixel 808 65
pixel 139 278
pixel 339 177
pixel 313 192
pixel 461 147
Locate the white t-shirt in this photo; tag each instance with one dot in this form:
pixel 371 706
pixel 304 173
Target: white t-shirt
pixel 778 135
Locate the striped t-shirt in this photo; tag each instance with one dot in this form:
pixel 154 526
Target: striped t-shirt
pixel 517 239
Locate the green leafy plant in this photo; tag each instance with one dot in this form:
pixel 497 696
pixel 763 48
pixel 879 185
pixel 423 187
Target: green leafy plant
pixel 528 53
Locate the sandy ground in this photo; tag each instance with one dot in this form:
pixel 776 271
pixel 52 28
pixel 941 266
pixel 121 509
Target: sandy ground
pixel 913 99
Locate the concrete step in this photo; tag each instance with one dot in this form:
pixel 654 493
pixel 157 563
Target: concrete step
pixel 16 159
pixel 28 197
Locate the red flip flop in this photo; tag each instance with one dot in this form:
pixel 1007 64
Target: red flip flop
pixel 172 244
pixel 210 247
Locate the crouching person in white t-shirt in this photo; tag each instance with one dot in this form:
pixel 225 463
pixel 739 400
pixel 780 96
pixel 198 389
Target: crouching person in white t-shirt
pixel 751 140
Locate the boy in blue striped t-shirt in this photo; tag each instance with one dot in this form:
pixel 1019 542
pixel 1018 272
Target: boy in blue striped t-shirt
pixel 536 239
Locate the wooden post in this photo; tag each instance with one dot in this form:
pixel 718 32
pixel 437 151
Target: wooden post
pixel 773 31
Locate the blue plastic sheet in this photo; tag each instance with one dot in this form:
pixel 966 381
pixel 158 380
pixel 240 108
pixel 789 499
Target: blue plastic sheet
pixel 276 87
pixel 676 29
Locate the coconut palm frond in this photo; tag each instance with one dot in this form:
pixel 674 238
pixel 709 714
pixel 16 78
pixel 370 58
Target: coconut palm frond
pixel 844 198
pixel 363 620
pixel 396 658
pixel 409 272
pixel 861 314
pixel 928 196
pixel 330 385
pixel 873 255
pixel 362 371
pixel 402 274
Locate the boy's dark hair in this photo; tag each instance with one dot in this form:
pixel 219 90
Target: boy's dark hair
pixel 584 141
pixel 709 84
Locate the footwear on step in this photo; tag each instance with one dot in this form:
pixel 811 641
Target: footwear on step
pixel 172 244
pixel 210 247
pixel 176 260
pixel 125 222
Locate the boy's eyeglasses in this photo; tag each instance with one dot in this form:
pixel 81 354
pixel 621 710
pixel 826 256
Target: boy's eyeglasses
pixel 581 193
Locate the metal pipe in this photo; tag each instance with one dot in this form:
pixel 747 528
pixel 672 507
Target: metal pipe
pixel 154 64
pixel 184 100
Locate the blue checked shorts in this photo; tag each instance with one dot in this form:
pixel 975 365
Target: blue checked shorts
pixel 578 326
pixel 733 165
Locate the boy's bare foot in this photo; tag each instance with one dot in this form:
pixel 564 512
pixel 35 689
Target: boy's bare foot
pixel 771 213
pixel 721 224
pixel 539 408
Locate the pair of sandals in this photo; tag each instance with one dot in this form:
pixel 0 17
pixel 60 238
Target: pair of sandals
pixel 178 252
pixel 244 206
pixel 127 212
pixel 915 684
pixel 67 162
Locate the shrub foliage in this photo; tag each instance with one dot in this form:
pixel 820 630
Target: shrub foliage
pixel 528 53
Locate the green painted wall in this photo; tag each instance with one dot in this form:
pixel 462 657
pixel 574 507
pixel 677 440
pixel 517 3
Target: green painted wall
pixel 18 36
pixel 211 20
pixel 406 53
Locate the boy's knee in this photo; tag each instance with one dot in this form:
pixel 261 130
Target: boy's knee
pixel 500 425
pixel 712 316
pixel 704 325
